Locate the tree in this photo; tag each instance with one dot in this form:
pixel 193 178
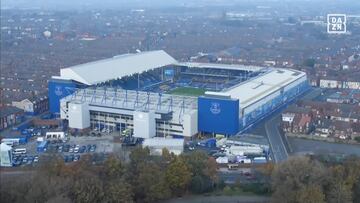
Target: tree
pixel 294 175
pixel 211 169
pixel 356 191
pixel 118 192
pixel 311 194
pixel 197 162
pixel 139 155
pixel 357 139
pixel 339 189
pixel 167 156
pixel 54 167
pixel 339 193
pixel 201 184
pixel 197 184
pixel 87 189
pixel 150 183
pixel 113 168
pixel 178 176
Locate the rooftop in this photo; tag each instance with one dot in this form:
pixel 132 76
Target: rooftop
pixel 8 110
pixel 135 100
pixel 253 90
pixel 221 66
pixel 116 67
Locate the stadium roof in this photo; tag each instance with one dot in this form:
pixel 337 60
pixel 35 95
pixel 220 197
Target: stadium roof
pixel 116 67
pixel 221 66
pixel 253 90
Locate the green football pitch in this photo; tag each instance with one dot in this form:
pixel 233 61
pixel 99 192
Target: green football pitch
pixel 188 91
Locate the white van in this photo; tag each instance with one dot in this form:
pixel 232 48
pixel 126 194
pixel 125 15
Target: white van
pixel 40 139
pixel 19 151
pixel 55 135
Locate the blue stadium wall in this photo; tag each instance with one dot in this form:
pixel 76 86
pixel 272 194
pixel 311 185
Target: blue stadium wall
pixel 218 115
pixel 279 102
pixel 59 89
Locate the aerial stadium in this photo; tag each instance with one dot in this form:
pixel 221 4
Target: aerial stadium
pixel 154 95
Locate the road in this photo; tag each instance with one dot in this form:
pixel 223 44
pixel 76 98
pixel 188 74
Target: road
pixel 302 146
pixel 275 139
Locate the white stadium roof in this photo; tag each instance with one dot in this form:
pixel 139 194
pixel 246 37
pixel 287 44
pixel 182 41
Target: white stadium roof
pixel 252 90
pixel 221 66
pixel 116 67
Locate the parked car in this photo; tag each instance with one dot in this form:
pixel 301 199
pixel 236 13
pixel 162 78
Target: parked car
pixel 24 159
pixel 88 147
pixel 66 158
pixel 60 149
pixel 66 148
pixel 76 157
pixel 93 148
pixel 71 157
pixel 82 149
pixel 36 158
pixel 66 139
pixel 30 160
pixel 17 162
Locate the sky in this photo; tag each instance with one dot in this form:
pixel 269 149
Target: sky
pixel 104 4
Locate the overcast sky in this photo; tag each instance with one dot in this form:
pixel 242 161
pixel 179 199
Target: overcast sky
pixel 81 4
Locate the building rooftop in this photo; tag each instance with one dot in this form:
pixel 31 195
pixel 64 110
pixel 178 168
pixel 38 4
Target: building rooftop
pixel 116 67
pixel 8 110
pixel 254 89
pixel 221 66
pixel 135 100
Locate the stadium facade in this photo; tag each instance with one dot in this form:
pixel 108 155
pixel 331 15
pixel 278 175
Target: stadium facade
pixel 140 92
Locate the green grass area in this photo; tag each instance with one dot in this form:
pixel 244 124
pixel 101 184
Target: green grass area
pixel 188 91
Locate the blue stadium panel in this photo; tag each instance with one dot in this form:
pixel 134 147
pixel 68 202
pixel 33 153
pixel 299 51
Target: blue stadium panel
pixel 218 115
pixel 59 89
pixel 276 103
